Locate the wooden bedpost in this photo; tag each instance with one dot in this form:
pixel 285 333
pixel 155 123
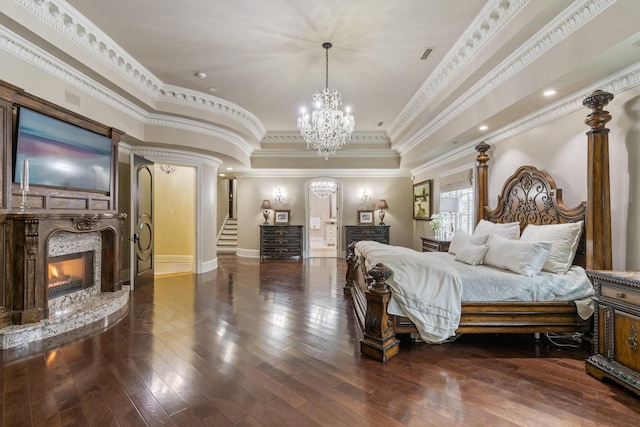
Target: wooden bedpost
pixel 482 186
pixel 598 223
pixel 351 269
pixel 379 340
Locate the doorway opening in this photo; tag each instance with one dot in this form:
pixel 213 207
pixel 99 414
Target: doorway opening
pixel 323 219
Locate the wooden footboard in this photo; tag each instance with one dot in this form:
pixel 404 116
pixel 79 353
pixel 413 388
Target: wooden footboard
pixel 371 296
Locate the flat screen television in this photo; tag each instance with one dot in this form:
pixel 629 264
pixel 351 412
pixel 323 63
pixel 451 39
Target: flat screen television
pixel 60 154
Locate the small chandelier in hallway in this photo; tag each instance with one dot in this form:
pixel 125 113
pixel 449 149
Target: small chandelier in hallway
pixel 328 128
pixel 322 189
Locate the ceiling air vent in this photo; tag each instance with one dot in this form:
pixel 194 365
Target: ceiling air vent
pixel 427 52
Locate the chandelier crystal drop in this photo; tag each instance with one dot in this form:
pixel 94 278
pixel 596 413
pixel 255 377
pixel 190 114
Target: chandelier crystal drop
pixel 323 189
pixel 328 128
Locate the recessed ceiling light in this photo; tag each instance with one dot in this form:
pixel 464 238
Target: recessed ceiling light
pixel 483 127
pixel 229 169
pixel 212 89
pixel 200 75
pixel 549 92
pixel 221 174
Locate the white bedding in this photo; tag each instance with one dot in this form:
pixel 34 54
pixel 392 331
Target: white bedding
pixel 428 287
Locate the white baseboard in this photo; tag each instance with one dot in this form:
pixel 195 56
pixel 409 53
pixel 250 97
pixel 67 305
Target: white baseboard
pixel 248 253
pixel 171 264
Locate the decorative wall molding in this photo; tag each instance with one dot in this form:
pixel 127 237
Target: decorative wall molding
pixel 493 17
pixel 66 20
pixel 175 157
pixel 571 19
pixel 356 138
pixel 621 81
pixel 26 51
pixel 328 173
pixel 313 154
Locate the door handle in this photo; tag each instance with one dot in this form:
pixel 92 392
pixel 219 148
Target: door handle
pixel 135 238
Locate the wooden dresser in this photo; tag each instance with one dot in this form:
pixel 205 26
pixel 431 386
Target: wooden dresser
pixel 431 244
pixel 377 233
pixel 281 241
pixel 617 325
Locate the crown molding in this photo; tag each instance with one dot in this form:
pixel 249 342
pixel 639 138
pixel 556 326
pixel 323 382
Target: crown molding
pixel 493 17
pixel 325 173
pixel 571 19
pixel 75 27
pixel 356 138
pixel 621 81
pixel 29 53
pixel 311 153
pixel 175 157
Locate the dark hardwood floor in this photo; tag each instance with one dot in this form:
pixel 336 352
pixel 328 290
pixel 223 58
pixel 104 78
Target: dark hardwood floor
pixel 276 344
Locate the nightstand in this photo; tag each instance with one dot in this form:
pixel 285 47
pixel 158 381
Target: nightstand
pixel 431 244
pixel 616 328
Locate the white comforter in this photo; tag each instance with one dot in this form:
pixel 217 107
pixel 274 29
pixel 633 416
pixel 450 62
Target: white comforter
pixel 428 287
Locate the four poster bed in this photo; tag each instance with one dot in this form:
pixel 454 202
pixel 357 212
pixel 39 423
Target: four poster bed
pixel 529 201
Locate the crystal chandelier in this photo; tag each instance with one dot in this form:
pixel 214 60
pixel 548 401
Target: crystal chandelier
pixel 322 189
pixel 328 127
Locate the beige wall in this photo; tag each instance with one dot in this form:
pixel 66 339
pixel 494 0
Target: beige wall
pixel 560 148
pixel 253 189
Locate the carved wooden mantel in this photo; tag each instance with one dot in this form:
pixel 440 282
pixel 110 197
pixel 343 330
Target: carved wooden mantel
pixel 28 236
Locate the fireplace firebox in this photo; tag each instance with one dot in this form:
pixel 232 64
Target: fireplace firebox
pixel 69 273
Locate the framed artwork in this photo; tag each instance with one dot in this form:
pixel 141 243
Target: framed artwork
pixel 422 200
pixel 365 217
pixel 281 217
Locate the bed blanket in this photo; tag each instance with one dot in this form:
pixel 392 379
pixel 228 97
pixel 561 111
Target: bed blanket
pixel 428 293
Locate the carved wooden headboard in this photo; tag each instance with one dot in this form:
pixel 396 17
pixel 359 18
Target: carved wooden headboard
pixel 530 196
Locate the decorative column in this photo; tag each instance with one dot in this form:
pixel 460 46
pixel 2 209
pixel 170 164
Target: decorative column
pixel 598 226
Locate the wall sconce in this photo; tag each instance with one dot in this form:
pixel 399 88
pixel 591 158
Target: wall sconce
pixel 279 197
pixel 382 205
pixel 266 205
pixel 365 195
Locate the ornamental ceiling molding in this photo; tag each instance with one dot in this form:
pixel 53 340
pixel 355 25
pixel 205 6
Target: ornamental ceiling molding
pixel 324 173
pixel 489 22
pixel 570 20
pixel 356 138
pixel 199 127
pixel 176 157
pixel 66 20
pixel 274 153
pixel 31 54
pixel 621 81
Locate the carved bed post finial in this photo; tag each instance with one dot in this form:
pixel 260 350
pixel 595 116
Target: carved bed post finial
pixel 351 268
pixel 482 187
pixel 598 223
pixel 379 341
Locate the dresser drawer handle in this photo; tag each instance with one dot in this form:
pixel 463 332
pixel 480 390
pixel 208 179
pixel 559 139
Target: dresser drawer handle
pixel 632 341
pixel 620 295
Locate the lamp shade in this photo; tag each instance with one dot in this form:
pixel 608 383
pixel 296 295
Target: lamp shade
pixel 382 204
pixel 266 204
pixel 449 204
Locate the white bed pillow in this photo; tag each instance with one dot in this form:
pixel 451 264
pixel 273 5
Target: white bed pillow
pixel 461 237
pixel 510 230
pixel 565 239
pixel 520 256
pixel 471 253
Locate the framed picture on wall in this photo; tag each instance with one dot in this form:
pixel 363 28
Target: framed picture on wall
pixel 365 217
pixel 422 200
pixel 281 217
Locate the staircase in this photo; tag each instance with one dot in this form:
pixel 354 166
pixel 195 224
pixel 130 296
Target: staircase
pixel 228 238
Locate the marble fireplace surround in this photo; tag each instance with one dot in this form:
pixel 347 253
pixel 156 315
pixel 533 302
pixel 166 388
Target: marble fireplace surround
pixel 34 237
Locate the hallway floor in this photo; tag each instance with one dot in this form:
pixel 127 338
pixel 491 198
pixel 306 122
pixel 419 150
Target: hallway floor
pixel 275 344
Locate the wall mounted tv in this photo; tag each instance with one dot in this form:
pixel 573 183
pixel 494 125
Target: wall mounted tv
pixel 61 154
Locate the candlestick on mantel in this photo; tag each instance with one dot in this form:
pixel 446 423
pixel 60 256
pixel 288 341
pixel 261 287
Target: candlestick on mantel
pixel 24 184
